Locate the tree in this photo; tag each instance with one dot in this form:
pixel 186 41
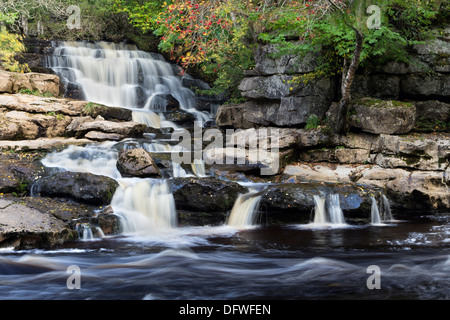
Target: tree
pixel 220 36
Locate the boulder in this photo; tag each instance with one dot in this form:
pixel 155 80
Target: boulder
pixel 18 172
pixel 205 194
pixel 23 228
pixel 80 186
pixel 94 110
pixel 45 105
pixel 32 126
pixel 137 163
pixel 382 116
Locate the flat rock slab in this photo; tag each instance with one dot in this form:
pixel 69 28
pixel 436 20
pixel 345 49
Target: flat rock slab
pixel 41 144
pixel 24 227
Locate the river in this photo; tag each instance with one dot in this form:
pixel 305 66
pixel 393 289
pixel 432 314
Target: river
pixel 408 259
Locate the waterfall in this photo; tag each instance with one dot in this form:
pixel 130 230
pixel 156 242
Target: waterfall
pixel 374 212
pixel 330 214
pixel 245 208
pixel 99 159
pixel 198 167
pixel 336 214
pixel 144 205
pixel 386 209
pixel 319 210
pixel 121 75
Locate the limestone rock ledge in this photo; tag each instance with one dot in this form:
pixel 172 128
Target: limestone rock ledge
pixel 416 191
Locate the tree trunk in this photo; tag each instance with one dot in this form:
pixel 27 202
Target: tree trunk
pixel 342 123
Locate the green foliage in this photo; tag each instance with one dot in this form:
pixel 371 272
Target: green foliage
pixel 10 46
pixel 313 122
pixel 36 93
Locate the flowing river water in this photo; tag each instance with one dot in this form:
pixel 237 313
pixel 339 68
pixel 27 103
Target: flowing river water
pixel 154 258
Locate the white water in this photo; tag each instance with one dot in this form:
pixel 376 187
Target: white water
pixel 328 215
pixel 386 209
pixel 145 206
pixel 244 211
pixel 335 211
pixel 374 213
pixel 320 216
pixel 122 76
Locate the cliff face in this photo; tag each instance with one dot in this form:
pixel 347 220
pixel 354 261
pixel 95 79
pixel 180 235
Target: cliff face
pixel 399 138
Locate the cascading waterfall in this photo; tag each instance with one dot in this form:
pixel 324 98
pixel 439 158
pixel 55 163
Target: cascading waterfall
pixel 335 211
pixel 119 75
pixel 330 214
pixel 374 212
pixel 144 205
pixel 320 216
pixel 386 209
pixel 122 76
pixel 245 208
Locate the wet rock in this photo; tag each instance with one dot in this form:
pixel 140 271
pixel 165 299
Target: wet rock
pixel 137 163
pixel 80 186
pixel 205 194
pixel 108 221
pixel 294 203
pixel 18 171
pixel 417 191
pixel 108 113
pixel 179 117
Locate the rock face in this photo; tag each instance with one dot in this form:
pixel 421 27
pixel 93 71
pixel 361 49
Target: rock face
pixel 416 191
pixel 294 203
pixel 29 117
pixel 25 228
pixel 383 117
pixel 137 163
pixel 11 82
pixel 84 187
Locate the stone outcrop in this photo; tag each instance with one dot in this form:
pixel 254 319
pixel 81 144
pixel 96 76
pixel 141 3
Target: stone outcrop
pixel 30 117
pixel 12 82
pixel 23 227
pixel 416 191
pixel 383 117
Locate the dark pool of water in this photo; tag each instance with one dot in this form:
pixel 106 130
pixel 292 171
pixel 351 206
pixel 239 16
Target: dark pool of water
pixel 283 262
